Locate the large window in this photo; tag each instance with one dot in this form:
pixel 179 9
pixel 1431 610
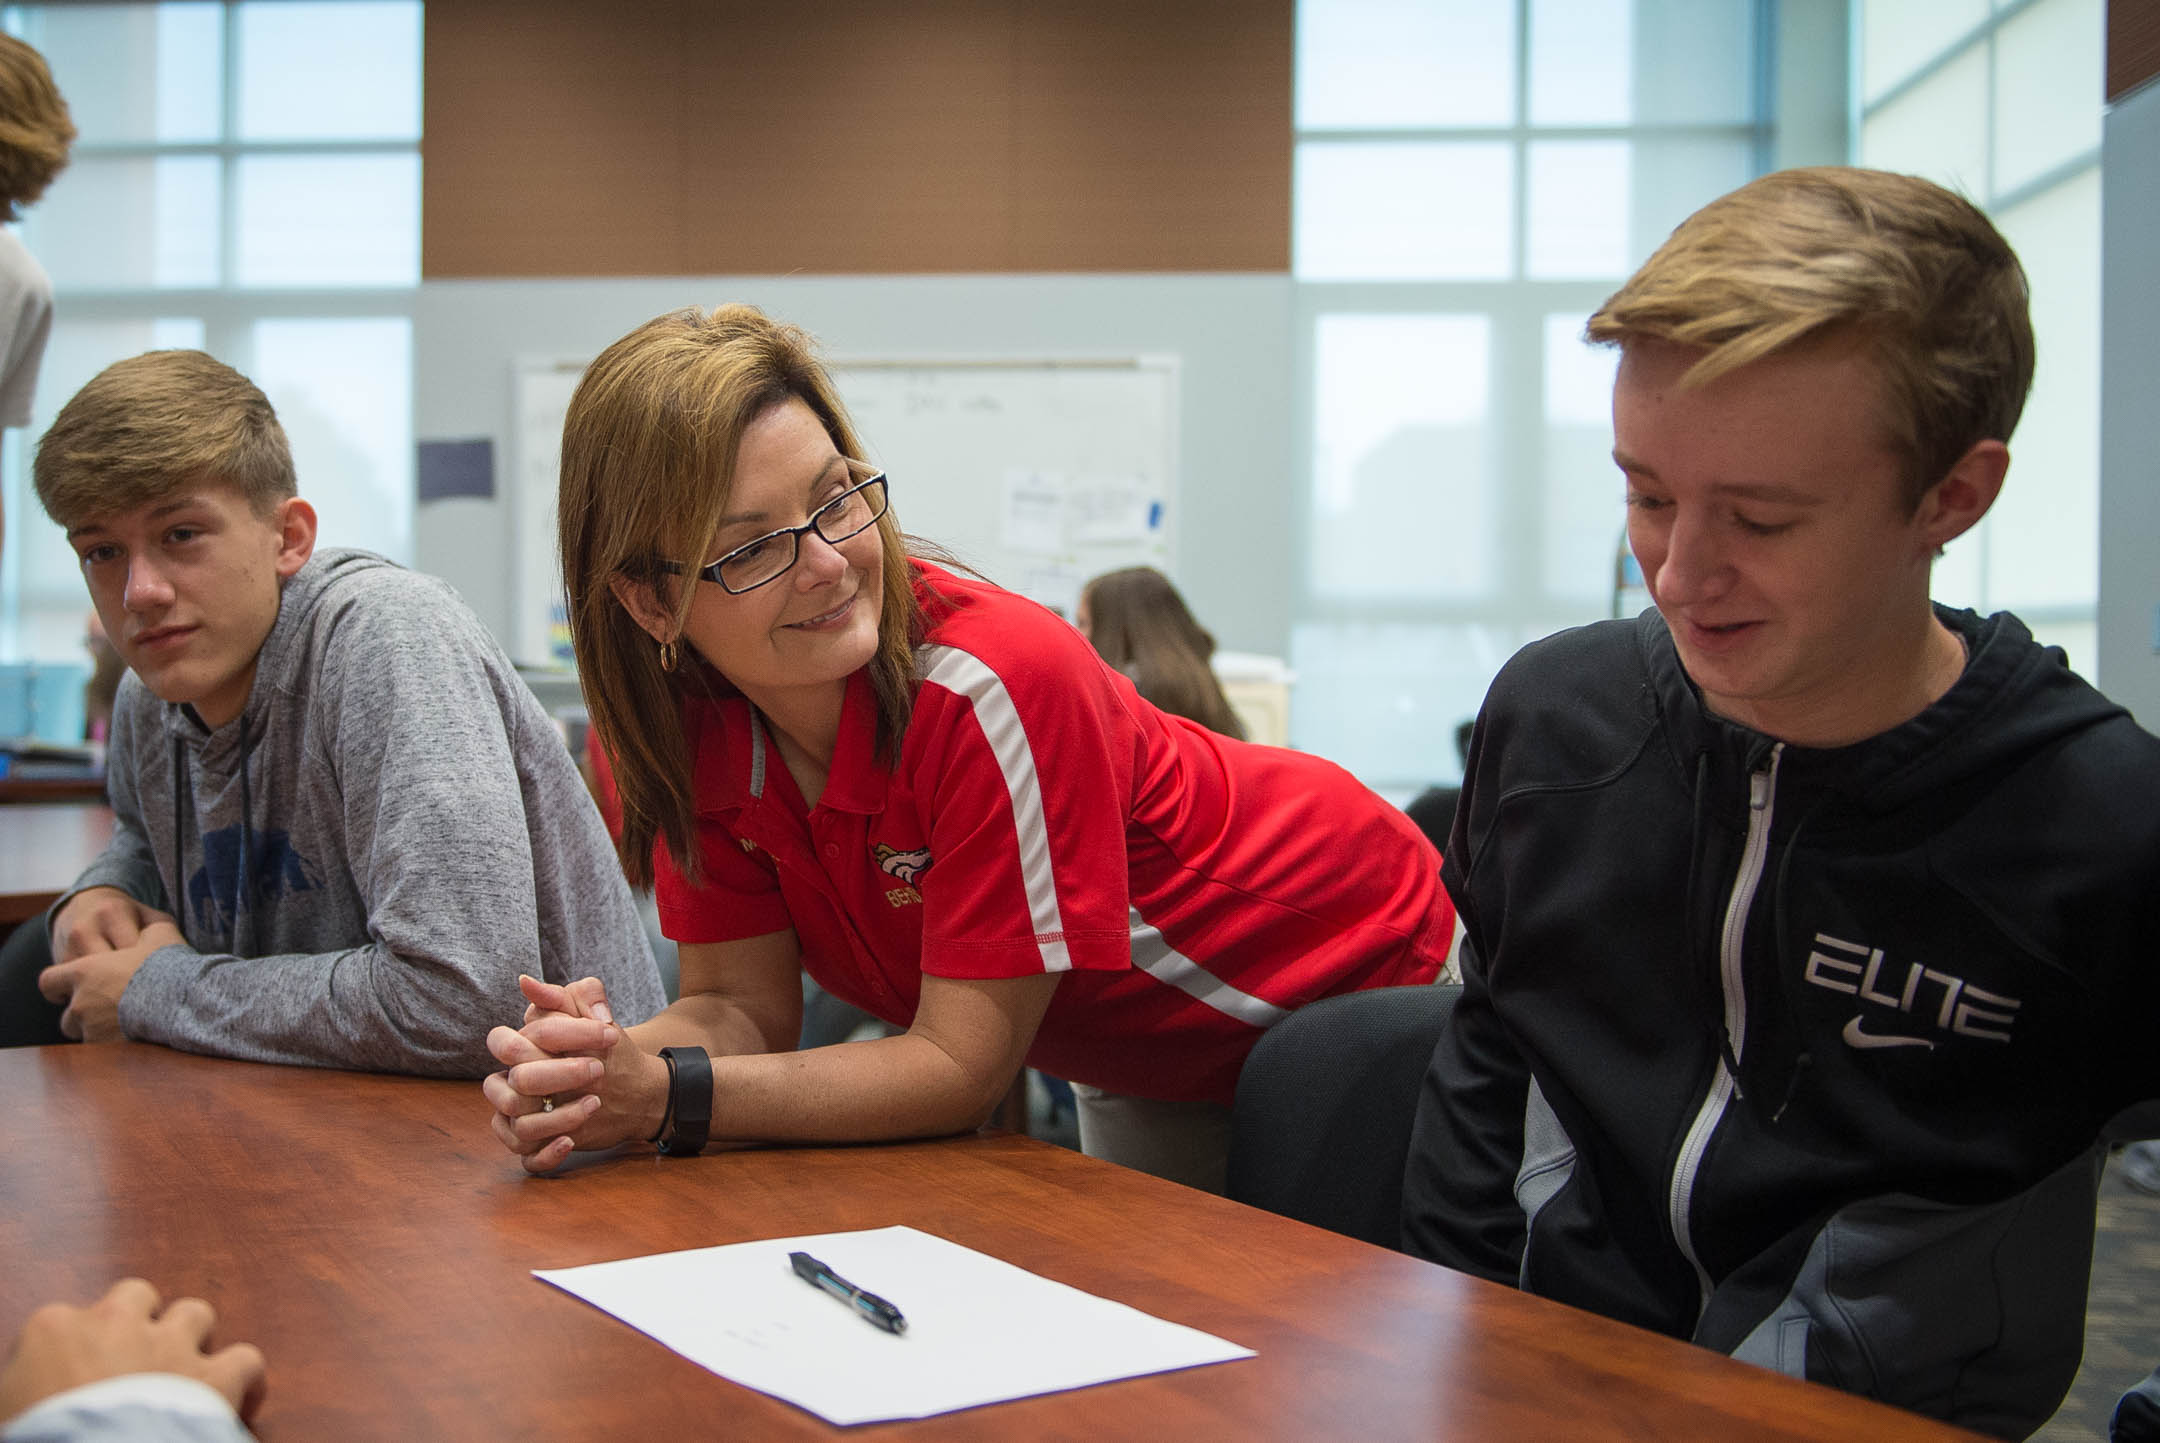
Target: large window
pixel 2004 104
pixel 247 181
pixel 1473 177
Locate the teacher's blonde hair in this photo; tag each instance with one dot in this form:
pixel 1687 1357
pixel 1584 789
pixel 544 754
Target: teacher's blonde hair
pixel 648 464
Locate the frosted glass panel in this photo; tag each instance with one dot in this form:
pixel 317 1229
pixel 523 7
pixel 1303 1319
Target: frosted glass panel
pixel 333 71
pixel 1578 215
pixel 1384 700
pixel 2049 84
pixel 1582 55
pixel 2080 641
pixel 1373 64
pixel 49 584
pixel 1695 64
pixel 342 220
pixel 1403 210
pixel 1674 178
pixel 343 389
pixel 1957 580
pixel 1405 476
pixel 1939 129
pixel 134 73
pixel 1584 513
pixel 1898 37
pixel 128 224
pixel 1578 376
pixel 2044 549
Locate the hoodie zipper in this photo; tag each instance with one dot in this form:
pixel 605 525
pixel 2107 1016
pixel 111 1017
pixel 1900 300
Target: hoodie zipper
pixel 1724 1085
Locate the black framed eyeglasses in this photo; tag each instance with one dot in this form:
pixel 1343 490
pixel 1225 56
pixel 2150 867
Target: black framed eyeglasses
pixel 754 563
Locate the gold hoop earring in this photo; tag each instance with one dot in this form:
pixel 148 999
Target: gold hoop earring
pixel 670 653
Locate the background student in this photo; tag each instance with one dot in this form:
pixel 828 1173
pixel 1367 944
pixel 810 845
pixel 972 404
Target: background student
pixel 343 825
pixel 1809 925
pixel 128 1366
pixel 35 133
pixel 928 792
pixel 1138 622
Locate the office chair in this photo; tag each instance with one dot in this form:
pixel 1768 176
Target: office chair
pixel 1434 812
pixel 1321 1124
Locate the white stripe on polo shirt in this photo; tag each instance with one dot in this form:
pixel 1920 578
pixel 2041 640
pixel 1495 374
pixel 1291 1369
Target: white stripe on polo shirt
pixel 1154 955
pixel 965 675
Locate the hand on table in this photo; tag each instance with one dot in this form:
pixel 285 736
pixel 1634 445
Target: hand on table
pixel 64 1347
pixel 90 986
pixel 101 919
pixel 572 1079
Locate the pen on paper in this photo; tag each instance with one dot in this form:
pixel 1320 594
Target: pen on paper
pixel 872 1307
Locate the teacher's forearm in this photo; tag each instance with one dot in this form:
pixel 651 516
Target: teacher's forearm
pixel 887 1087
pixel 716 1024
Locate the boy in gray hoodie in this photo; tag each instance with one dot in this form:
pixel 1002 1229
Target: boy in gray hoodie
pixel 343 825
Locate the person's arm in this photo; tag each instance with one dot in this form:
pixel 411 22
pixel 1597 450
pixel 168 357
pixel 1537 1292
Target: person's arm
pixel 414 752
pixel 121 892
pixel 742 1003
pixel 127 1367
pixel 132 1408
pixel 1466 1146
pixel 114 915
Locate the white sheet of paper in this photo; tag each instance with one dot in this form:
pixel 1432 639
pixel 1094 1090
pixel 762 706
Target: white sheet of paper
pixel 978 1330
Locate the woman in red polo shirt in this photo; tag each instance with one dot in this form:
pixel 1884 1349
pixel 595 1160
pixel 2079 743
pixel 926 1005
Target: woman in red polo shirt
pixel 929 793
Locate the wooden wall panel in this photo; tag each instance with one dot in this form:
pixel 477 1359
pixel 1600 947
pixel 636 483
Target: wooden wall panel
pixel 2133 45
pixel 1144 129
pixel 850 137
pixel 856 136
pixel 550 140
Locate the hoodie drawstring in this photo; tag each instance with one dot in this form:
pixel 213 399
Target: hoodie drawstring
pixel 1697 828
pixel 241 909
pixel 180 788
pixel 179 833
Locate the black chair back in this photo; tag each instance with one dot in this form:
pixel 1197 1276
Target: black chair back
pixel 1321 1126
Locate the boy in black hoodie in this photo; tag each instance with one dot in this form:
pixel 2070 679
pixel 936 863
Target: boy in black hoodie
pixel 1810 926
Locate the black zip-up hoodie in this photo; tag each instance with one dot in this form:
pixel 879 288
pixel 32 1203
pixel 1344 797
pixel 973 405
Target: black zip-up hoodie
pixel 1804 1054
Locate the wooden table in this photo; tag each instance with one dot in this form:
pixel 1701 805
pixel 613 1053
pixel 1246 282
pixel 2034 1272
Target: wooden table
pixel 43 848
pixel 51 789
pixel 374 1239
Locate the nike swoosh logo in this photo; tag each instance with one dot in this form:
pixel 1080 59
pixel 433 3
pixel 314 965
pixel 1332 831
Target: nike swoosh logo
pixel 1855 1037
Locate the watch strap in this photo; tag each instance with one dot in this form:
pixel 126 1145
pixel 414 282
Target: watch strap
pixel 689 1101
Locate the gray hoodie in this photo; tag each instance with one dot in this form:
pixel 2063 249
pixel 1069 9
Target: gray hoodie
pixel 407 835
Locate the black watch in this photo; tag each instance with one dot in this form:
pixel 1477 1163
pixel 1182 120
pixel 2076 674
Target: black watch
pixel 689 1101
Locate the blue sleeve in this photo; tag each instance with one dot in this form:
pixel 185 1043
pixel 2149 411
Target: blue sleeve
pixel 136 1408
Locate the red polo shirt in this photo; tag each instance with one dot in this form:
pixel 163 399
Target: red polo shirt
pixel 1043 818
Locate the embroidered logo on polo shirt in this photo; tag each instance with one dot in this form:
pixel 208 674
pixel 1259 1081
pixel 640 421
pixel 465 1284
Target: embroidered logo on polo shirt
pixel 747 844
pixel 907 866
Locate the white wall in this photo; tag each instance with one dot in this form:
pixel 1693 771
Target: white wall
pixel 2130 405
pixel 1231 334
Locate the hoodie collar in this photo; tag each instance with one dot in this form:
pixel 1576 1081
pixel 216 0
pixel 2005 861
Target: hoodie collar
pixel 284 658
pixel 2012 696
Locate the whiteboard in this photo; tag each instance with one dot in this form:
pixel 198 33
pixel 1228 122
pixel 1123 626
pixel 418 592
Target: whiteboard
pixel 541 393
pixel 1037 473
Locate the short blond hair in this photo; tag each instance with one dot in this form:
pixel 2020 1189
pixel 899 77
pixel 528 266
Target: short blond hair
pixel 147 428
pixel 1915 273
pixel 35 128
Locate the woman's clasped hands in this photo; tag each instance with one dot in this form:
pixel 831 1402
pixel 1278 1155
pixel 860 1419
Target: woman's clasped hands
pixel 573 1080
